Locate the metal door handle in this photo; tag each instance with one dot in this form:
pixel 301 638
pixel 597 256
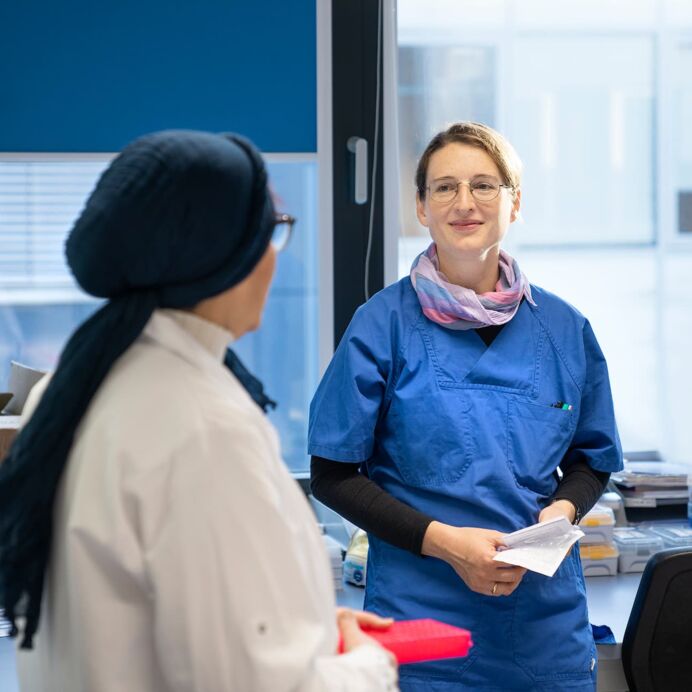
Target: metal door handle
pixel 359 148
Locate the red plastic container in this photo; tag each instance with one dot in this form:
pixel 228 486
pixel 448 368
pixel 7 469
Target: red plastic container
pixel 412 641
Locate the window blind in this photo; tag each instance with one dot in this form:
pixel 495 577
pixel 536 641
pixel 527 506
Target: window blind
pixel 39 202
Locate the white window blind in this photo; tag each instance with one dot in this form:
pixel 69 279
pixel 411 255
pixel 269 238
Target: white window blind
pixel 40 198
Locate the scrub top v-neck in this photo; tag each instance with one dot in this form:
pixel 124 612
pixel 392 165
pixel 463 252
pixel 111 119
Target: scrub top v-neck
pixel 472 435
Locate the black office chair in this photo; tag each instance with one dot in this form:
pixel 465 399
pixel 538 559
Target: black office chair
pixel 657 646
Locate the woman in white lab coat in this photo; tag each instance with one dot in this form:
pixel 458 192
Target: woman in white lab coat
pixel 145 505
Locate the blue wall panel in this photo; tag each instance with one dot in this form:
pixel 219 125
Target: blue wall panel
pixel 91 76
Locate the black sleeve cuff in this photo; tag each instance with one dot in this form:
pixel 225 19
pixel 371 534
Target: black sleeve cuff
pixel 582 486
pixel 347 491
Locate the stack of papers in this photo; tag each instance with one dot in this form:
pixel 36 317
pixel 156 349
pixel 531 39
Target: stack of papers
pixel 541 547
pixel 652 483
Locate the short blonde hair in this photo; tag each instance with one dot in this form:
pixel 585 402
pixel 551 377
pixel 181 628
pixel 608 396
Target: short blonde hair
pixel 476 135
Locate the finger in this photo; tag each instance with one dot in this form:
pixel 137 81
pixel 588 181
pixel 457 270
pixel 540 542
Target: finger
pixel 504 588
pixel 368 619
pixel 510 588
pixel 498 564
pixel 351 634
pixel 506 575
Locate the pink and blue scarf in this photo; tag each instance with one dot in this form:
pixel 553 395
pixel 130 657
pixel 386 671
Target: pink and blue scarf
pixel 456 307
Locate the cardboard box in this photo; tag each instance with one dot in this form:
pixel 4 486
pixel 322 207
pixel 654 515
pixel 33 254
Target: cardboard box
pixel 9 425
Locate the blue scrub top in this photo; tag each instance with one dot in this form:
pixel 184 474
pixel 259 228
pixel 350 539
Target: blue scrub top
pixel 471 436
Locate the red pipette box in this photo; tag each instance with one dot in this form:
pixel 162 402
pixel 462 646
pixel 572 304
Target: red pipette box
pixel 412 641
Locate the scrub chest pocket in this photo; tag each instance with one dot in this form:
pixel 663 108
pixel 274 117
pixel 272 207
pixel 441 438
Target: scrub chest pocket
pixel 433 438
pixel 538 438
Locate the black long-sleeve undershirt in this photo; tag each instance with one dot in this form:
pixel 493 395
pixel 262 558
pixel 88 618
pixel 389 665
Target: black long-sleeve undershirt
pixel 354 496
pixel 346 490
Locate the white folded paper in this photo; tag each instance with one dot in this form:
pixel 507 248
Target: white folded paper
pixel 541 547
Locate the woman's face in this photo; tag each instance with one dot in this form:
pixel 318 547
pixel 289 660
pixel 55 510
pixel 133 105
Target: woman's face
pixel 464 228
pixel 239 309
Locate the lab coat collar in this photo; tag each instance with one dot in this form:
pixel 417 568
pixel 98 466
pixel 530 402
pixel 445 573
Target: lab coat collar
pixel 184 333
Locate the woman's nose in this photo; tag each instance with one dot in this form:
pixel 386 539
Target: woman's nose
pixel 464 198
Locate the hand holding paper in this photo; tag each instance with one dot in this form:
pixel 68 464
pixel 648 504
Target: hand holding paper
pixel 541 547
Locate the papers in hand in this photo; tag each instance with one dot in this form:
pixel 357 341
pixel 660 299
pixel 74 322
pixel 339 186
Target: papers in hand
pixel 541 547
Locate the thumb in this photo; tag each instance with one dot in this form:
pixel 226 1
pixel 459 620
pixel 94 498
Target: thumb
pixel 498 540
pixel 368 619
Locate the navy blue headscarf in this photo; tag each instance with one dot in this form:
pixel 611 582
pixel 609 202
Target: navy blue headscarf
pixel 177 217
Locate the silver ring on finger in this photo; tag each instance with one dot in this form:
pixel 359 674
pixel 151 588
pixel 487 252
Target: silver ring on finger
pixel 494 589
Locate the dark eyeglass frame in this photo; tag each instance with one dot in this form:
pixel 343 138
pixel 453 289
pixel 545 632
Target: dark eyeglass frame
pixel 280 241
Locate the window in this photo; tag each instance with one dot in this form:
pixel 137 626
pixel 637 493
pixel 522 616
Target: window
pixel 597 101
pixel 582 120
pixel 682 115
pixel 40 306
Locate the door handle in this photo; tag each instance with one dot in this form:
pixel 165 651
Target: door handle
pixel 359 148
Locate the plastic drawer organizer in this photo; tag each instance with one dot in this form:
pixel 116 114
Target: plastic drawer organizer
pixel 675 536
pixel 636 546
pixel 597 525
pixel 599 560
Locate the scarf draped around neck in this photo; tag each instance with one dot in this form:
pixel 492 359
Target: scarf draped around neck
pixel 456 307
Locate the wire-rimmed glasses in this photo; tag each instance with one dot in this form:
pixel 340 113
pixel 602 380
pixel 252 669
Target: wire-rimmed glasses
pixel 482 189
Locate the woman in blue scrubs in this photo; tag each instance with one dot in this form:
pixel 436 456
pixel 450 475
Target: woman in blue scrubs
pixel 452 400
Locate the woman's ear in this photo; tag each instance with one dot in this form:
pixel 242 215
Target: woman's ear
pixel 516 206
pixel 420 211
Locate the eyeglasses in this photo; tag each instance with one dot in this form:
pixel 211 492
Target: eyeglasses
pixel 283 228
pixel 482 189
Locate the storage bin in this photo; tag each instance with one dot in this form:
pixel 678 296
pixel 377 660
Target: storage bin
pixel 597 525
pixel 614 501
pixel 599 560
pixel 675 536
pixel 636 546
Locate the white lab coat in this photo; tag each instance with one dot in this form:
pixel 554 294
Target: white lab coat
pixel 184 556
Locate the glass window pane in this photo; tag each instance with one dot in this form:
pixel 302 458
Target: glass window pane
pixel 40 306
pixel 442 20
pixel 582 121
pixel 585 91
pixel 284 352
pixel 438 85
pixel 39 200
pixel 595 15
pixel 678 13
pixel 675 342
pixel 626 329
pixel 682 117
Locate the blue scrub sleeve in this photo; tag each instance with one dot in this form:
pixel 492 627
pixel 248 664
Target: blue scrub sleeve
pixel 596 440
pixel 346 407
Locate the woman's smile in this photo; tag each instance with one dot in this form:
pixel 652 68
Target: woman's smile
pixel 466 225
